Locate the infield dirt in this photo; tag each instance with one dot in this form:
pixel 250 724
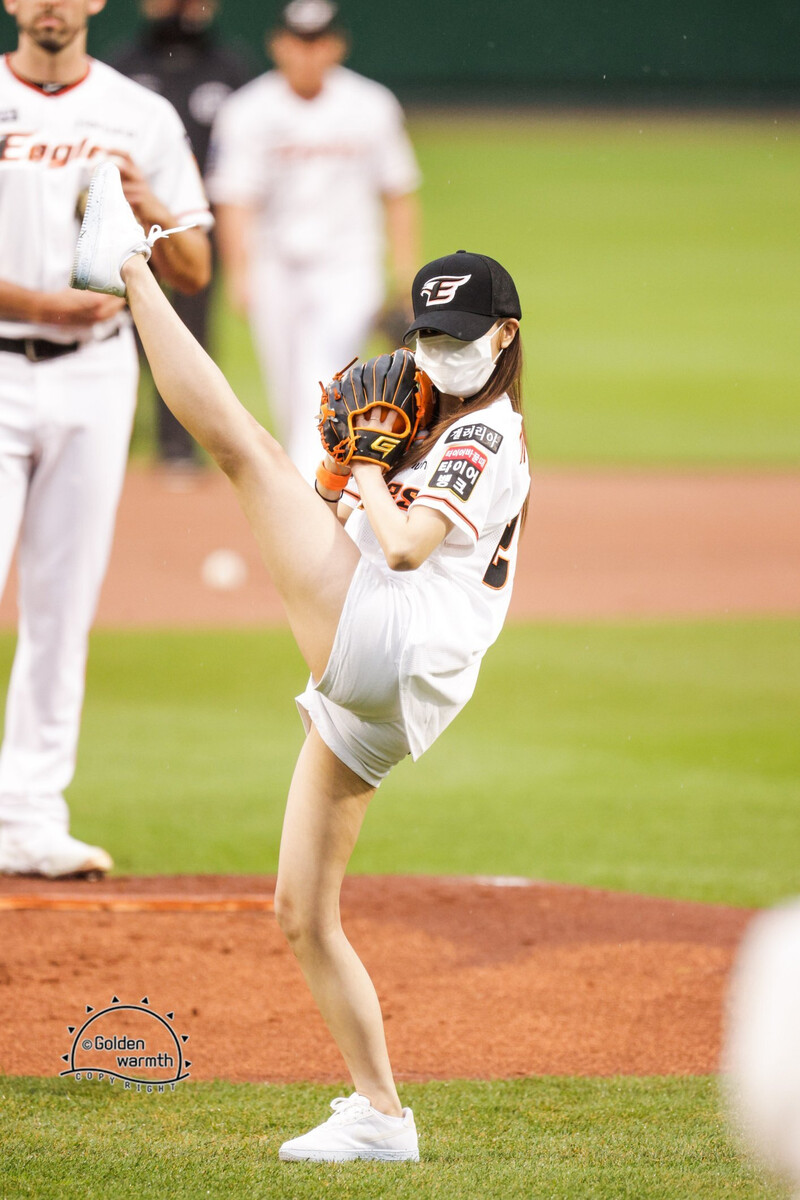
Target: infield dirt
pixel 597 544
pixel 476 979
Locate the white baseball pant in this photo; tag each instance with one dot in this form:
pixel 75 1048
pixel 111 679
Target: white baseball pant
pixel 308 321
pixel 65 426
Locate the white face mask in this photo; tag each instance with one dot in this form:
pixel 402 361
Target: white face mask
pixel 456 368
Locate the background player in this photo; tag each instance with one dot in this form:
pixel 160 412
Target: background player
pixel 179 55
pixel 392 615
pixel 310 167
pixel 68 375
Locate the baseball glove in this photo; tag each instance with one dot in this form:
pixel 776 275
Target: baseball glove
pixel 375 388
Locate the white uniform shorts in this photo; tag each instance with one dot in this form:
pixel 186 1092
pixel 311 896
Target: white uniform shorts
pixel 355 707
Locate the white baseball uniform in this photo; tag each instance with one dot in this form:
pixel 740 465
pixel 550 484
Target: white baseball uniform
pixel 314 172
pixel 65 423
pixel 409 644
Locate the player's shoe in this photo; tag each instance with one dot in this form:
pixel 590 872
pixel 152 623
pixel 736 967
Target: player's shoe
pixel 356 1130
pixel 49 851
pixel 110 235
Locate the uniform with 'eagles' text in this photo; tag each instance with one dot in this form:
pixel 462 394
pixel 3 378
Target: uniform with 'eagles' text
pixel 67 397
pixel 437 621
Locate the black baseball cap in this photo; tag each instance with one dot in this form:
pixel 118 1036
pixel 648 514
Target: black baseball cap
pixel 309 19
pixel 462 294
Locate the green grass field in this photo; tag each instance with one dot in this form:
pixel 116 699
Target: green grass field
pixel 554 1139
pixel 659 272
pixel 659 758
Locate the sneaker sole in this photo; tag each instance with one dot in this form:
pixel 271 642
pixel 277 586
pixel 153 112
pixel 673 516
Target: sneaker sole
pixel 87 241
pixel 89 873
pixel 348 1155
pixel 91 866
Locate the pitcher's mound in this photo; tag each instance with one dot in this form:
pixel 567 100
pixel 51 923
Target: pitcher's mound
pixel 477 978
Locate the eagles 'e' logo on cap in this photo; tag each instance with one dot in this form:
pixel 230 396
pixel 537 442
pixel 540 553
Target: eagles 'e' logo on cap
pixel 442 288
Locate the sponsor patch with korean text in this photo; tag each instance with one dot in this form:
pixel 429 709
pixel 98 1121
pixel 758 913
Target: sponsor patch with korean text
pixel 459 471
pixel 482 434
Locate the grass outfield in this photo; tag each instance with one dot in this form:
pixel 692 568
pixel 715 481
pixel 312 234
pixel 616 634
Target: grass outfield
pixel 658 267
pixel 660 758
pixel 557 1138
pixel 658 270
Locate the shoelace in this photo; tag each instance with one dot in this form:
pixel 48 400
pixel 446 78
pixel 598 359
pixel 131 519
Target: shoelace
pixel 157 232
pixel 348 1108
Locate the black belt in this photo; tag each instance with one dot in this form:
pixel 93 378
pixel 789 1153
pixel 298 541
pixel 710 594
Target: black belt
pixel 40 350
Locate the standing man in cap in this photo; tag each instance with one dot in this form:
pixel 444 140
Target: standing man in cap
pixel 311 172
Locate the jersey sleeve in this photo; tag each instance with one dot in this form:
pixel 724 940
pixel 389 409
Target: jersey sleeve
pixel 173 174
pixel 470 479
pixel 233 170
pixel 396 169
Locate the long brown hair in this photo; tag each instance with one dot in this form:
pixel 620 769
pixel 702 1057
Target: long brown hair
pixel 505 378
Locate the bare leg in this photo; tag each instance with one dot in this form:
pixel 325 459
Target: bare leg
pixel 310 557
pixel 324 813
pixel 312 561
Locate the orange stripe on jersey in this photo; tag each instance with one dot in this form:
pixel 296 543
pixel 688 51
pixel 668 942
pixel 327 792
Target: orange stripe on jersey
pixel 424 497
pixel 37 87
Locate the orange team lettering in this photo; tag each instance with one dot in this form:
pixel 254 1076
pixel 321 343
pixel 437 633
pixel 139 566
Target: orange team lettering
pixel 11 145
pixel 20 147
pixel 403 497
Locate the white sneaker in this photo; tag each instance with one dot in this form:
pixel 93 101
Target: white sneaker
pixel 110 234
pixel 356 1130
pixel 49 851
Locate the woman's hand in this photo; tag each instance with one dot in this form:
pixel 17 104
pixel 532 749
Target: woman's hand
pixel 146 208
pixel 371 419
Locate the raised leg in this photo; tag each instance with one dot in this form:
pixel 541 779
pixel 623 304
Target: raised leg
pixel 174 443
pixel 310 557
pixel 326 807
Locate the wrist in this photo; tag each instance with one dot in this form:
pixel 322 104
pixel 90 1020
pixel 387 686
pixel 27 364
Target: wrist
pixel 335 468
pixel 329 482
pixel 363 469
pixel 326 495
pixel 42 308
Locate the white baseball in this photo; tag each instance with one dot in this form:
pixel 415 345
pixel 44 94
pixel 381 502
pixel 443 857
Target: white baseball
pixel 224 570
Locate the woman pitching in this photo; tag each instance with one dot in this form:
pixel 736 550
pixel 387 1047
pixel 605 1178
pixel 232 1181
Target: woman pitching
pixel 392 612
